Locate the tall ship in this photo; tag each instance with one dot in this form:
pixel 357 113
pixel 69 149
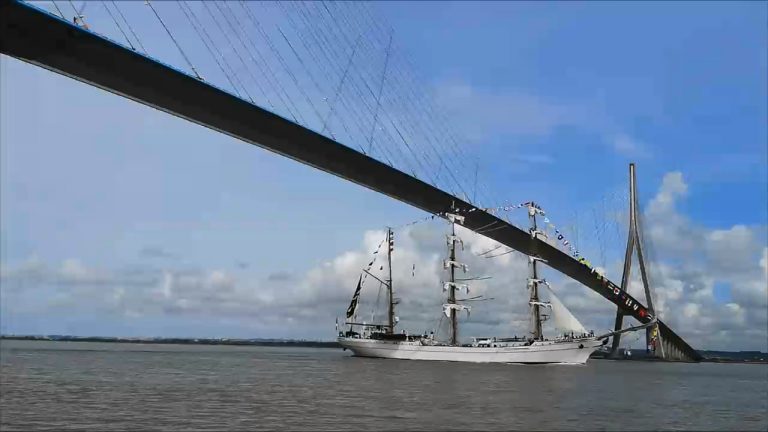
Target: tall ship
pixel 573 343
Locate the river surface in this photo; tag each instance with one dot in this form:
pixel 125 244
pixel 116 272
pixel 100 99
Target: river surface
pixel 103 386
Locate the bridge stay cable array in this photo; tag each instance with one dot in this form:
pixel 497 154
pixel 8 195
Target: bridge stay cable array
pixel 334 67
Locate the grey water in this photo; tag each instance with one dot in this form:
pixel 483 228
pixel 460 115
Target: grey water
pixel 103 386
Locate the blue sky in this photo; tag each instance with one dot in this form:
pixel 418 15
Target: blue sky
pixel 554 99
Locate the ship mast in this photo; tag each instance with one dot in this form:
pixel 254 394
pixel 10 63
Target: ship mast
pixel 533 279
pixel 452 291
pixel 391 309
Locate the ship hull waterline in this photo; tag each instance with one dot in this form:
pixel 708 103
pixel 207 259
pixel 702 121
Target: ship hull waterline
pixel 572 352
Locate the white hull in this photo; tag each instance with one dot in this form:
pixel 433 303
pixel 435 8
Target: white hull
pixel 576 351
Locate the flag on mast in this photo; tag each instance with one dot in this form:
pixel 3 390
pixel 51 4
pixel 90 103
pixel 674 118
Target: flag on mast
pixel 355 298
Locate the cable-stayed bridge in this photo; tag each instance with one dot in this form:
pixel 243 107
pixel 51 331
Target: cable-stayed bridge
pixel 321 83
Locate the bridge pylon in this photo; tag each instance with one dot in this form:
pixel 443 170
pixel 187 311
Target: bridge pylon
pixel 653 343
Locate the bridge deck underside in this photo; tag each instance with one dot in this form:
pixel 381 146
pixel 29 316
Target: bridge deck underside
pixel 39 38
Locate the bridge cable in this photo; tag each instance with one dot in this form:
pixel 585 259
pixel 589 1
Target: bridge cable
pixel 332 105
pixel 266 71
pixel 401 131
pixel 429 109
pixel 221 56
pixel 367 133
pixel 408 92
pixel 304 64
pixel 324 44
pixel 403 96
pixel 275 52
pixel 183 54
pixel 338 89
pixel 240 57
pixel 129 26
pixel 378 96
pixel 78 15
pixel 325 47
pixel 304 42
pixel 119 27
pixel 207 46
pixel 57 8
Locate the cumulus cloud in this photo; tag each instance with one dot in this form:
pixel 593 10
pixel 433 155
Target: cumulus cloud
pixel 688 262
pixel 692 259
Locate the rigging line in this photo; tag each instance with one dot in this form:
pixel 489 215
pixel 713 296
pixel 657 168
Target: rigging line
pixel 490 250
pixel 220 55
pixel 268 73
pixel 240 57
pixel 486 226
pixel 501 254
pixel 376 307
pixel 57 8
pixel 492 229
pixel 207 46
pixel 275 52
pixel 119 27
pixel 183 54
pixel 129 26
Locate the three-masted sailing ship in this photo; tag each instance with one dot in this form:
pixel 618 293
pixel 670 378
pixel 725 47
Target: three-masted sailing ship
pixel 381 340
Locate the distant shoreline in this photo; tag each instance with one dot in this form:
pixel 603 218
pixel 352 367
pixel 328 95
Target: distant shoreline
pixel 744 357
pixel 180 341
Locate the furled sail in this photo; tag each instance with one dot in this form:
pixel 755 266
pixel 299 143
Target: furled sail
pixel 564 319
pixel 453 306
pixel 355 298
pixel 458 286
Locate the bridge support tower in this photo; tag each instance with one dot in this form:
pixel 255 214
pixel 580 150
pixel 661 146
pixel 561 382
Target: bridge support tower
pixel 654 344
